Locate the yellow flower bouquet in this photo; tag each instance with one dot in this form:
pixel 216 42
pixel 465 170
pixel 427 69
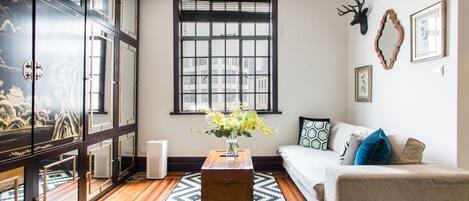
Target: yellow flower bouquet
pixel 237 124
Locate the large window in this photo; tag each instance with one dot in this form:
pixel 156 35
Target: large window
pixel 225 55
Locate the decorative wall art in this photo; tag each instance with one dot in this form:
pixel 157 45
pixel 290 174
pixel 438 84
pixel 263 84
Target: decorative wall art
pixel 428 28
pixel 363 83
pixel 360 15
pixel 389 39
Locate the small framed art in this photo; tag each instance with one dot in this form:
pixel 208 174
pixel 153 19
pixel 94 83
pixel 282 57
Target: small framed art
pixel 363 83
pixel 428 33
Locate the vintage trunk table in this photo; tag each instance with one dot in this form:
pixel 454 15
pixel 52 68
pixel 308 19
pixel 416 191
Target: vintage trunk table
pixel 227 179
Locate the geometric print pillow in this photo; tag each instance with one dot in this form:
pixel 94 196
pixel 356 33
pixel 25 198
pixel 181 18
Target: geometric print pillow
pixel 315 134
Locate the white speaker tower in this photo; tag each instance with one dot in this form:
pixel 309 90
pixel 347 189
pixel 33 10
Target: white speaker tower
pixel 157 159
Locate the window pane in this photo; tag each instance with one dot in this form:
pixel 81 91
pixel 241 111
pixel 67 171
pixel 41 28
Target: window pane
pixel 262 84
pixel 262 7
pixel 202 66
pixel 232 101
pixel 188 84
pixel 232 84
pixel 248 48
pixel 262 101
pixel 248 6
pixel 232 29
pixel 202 48
pixel 248 101
pixel 218 66
pixel 188 29
pixel 218 102
pixel 248 65
pixel 218 47
pixel 262 48
pixel 203 5
pixel 203 29
pixel 232 47
pixel 248 83
pixel 202 84
pixel 262 29
pixel 247 29
pixel 202 102
pixel 188 66
pixel 232 65
pixel 188 48
pixel 218 84
pixel 262 65
pixel 232 6
pixel 218 29
pixel 188 102
pixel 218 6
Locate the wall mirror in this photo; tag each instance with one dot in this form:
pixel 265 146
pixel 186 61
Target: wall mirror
pixel 100 74
pixel 129 17
pixel 105 8
pixel 126 154
pixel 12 184
pixel 58 177
pixel 389 39
pixel 127 84
pixel 99 175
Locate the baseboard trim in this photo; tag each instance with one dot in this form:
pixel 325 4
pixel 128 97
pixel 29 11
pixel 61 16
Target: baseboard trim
pixel 193 164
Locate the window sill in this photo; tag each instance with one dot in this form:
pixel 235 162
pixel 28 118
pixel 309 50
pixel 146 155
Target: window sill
pixel 202 113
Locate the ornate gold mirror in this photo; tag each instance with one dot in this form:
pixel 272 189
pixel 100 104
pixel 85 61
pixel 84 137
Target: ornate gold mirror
pixel 389 39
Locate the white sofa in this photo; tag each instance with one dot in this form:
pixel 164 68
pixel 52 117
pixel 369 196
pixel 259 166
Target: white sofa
pixel 319 176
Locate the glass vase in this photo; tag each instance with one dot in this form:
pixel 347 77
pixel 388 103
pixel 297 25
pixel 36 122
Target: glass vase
pixel 232 146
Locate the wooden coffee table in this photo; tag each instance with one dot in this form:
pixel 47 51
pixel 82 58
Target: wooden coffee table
pixel 227 179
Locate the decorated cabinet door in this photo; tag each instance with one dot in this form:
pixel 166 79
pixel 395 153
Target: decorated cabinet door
pixel 16 73
pixel 59 76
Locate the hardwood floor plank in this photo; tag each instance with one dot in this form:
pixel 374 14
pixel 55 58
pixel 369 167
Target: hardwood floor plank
pixel 159 190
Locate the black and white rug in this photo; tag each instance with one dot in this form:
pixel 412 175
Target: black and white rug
pixel 265 188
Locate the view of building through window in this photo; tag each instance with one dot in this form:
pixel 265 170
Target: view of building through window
pixel 225 62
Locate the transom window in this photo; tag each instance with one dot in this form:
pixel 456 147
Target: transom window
pixel 226 56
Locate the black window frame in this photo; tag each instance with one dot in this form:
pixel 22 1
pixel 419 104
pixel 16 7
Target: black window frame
pixel 238 17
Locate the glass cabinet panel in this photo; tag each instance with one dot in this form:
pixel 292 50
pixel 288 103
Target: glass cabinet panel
pixel 129 18
pixel 58 177
pixel 12 184
pixel 100 76
pixel 58 106
pixel 99 173
pixel 127 84
pixel 126 154
pixel 15 79
pixel 105 8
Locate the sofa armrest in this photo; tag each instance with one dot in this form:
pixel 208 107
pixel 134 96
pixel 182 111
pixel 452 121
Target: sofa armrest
pixel 427 182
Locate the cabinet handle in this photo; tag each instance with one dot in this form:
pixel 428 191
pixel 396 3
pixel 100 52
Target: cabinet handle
pixel 28 71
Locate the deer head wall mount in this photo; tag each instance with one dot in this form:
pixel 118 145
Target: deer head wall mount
pixel 360 17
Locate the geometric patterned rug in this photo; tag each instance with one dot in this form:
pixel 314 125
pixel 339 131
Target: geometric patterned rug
pixel 55 178
pixel 265 188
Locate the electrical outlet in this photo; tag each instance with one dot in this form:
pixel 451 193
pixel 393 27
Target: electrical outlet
pixel 439 71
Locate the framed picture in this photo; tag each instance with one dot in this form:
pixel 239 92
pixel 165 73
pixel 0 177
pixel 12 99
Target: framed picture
pixel 363 83
pixel 428 31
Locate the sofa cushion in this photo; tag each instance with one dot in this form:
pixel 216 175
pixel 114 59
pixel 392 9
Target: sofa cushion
pixel 374 150
pixel 315 134
pixel 310 164
pixel 405 150
pixel 302 120
pixel 347 156
pixel 340 133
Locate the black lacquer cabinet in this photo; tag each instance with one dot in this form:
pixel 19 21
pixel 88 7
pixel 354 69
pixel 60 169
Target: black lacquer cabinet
pixel 68 97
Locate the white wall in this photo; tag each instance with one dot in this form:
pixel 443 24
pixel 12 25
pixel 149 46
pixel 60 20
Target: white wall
pixel 312 77
pixel 409 99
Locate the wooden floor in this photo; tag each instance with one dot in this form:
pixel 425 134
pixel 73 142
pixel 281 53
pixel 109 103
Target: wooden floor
pixel 156 190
